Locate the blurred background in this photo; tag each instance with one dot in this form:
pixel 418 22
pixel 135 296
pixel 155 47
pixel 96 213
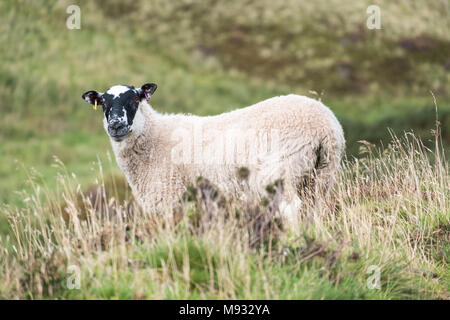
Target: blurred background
pixel 208 57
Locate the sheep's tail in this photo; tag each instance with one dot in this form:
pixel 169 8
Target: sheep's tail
pixel 328 160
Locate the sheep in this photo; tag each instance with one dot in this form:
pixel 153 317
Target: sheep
pixel 293 138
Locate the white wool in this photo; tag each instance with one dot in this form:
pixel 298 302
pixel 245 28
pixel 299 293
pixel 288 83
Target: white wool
pixel 138 125
pixel 117 90
pixel 279 138
pixel 123 118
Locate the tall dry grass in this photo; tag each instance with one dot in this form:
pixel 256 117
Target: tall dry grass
pixel 389 209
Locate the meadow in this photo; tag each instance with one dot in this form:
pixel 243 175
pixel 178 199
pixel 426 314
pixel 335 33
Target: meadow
pixel 64 203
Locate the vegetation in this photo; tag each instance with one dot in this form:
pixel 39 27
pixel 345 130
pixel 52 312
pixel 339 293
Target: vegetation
pixel 389 209
pixel 388 212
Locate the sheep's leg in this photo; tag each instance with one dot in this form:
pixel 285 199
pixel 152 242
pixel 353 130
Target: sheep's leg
pixel 289 210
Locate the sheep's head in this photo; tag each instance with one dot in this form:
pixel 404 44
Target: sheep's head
pixel 120 104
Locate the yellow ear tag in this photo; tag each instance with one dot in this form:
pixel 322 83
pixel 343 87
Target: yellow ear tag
pixel 95 105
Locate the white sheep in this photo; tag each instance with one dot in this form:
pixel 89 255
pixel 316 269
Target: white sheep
pixel 293 138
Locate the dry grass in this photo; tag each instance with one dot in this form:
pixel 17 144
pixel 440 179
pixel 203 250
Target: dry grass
pixel 389 209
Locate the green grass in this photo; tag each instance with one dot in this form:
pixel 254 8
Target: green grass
pixel 286 281
pixel 207 62
pixel 389 210
pixel 44 74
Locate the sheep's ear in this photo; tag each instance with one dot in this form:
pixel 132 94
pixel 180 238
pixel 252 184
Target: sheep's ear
pixel 147 90
pixel 92 96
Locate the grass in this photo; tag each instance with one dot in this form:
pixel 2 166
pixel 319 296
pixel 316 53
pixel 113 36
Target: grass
pixel 389 209
pixel 208 62
pixel 44 74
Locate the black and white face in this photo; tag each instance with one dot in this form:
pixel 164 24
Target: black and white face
pixel 120 104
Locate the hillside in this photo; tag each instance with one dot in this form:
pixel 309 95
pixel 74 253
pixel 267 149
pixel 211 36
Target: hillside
pixel 389 209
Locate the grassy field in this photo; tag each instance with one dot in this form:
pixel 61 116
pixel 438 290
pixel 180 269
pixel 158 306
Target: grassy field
pixel 388 216
pixel 209 57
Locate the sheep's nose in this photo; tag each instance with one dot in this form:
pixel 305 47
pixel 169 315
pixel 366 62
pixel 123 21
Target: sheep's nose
pixel 116 125
pixel 116 128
